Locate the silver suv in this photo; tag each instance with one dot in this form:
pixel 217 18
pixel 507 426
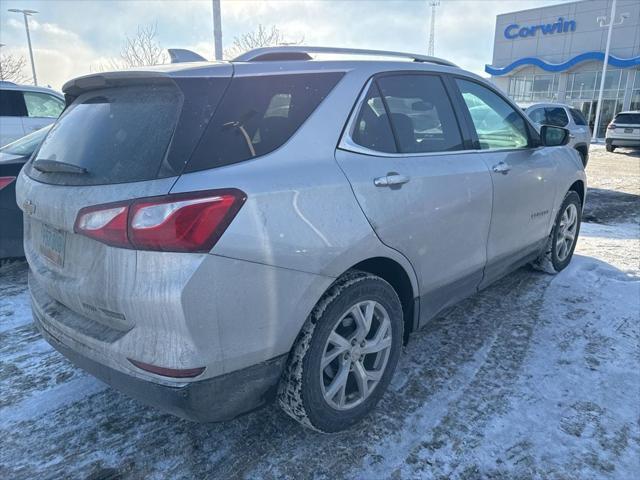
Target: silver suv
pixel 567 117
pixel 207 237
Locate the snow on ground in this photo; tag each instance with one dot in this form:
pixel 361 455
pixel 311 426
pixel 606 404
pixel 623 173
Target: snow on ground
pixel 536 377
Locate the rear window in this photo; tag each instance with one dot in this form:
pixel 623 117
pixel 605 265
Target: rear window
pixel 258 115
pixel 578 117
pixel 628 118
pixel 116 134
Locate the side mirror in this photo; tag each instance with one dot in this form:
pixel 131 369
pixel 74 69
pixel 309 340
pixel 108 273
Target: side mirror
pixel 553 136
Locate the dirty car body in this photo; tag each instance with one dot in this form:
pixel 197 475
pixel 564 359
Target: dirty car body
pixel 283 188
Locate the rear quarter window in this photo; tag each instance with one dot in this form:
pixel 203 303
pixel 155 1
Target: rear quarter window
pixel 43 105
pixel 578 117
pixel 259 114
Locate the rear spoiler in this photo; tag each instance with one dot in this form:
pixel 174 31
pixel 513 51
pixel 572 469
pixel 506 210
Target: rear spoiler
pixel 73 88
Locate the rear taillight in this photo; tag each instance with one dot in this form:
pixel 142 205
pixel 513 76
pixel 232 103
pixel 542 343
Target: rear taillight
pixel 4 181
pixel 611 126
pixel 183 222
pixel 105 223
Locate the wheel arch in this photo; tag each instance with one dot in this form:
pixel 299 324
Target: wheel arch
pixel 578 187
pixel 397 276
pixel 583 148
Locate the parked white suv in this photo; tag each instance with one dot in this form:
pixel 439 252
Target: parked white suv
pixel 25 109
pixel 565 116
pixel 624 131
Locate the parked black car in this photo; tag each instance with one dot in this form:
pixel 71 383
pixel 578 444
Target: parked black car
pixel 12 157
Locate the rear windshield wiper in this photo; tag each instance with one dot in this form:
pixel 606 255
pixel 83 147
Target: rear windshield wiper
pixel 54 166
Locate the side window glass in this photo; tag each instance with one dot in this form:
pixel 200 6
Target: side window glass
pixel 497 123
pixel 258 114
pixel 537 115
pixel 556 116
pixel 421 114
pixel 12 104
pixel 372 129
pixel 43 105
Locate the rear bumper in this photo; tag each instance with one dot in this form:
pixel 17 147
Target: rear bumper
pixel 212 400
pixel 623 142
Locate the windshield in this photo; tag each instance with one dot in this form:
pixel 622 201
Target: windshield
pixel 26 145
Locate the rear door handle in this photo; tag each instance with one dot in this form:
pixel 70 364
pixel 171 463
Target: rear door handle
pixel 502 168
pixel 390 180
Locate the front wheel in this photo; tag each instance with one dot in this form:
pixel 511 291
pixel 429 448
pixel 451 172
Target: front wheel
pixel 345 356
pixel 564 236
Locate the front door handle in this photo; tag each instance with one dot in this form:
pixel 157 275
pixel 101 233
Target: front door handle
pixel 502 168
pixel 390 180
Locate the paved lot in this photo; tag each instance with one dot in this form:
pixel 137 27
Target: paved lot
pixel 536 377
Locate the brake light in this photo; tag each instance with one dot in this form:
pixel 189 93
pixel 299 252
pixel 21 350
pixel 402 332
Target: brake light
pixel 184 222
pixel 4 181
pixel 611 126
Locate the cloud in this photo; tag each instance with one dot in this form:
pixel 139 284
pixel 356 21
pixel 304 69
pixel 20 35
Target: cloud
pixel 71 38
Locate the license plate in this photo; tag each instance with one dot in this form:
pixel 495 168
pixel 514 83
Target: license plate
pixel 52 245
pixel 628 130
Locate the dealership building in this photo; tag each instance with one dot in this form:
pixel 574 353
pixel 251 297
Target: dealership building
pixel 555 54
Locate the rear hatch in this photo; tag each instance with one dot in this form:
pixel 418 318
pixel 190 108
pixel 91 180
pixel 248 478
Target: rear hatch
pixel 625 126
pixel 123 135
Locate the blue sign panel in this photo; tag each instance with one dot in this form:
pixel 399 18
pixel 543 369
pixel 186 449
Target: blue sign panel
pixel 561 67
pixel 561 26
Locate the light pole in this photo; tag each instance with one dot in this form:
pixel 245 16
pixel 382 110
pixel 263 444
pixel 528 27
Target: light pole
pixel 217 29
pixel 601 22
pixel 432 32
pixel 27 13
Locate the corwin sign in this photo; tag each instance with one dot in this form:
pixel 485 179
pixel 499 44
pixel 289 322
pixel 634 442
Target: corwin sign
pixel 561 26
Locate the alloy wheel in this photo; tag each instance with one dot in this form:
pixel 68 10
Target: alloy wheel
pixel 567 232
pixel 355 355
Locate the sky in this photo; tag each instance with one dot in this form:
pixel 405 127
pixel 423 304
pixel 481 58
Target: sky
pixel 75 37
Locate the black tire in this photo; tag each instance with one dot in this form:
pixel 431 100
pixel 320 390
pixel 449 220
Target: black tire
pixel 300 391
pixel 609 148
pixel 548 261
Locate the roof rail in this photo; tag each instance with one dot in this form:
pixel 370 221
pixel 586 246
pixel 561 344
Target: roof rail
pixel 298 52
pixel 182 55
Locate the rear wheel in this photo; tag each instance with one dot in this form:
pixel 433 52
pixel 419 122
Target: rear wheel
pixel 345 355
pixel 609 147
pixel 564 236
